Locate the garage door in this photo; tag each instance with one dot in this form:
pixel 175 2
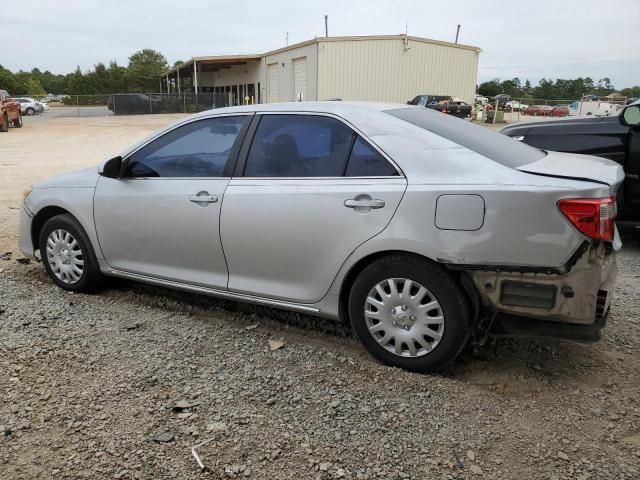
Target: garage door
pixel 300 79
pixel 274 92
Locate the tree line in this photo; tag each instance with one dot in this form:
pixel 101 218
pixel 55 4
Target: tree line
pixel 560 89
pixel 141 75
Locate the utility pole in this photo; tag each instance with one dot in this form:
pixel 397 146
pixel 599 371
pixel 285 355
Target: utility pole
pixel 287 39
pixel 326 25
pixel 457 33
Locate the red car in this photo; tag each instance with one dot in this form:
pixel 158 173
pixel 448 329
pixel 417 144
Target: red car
pixel 560 111
pixel 538 110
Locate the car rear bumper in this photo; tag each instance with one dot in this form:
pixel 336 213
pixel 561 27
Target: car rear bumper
pixel 579 296
pixel 25 244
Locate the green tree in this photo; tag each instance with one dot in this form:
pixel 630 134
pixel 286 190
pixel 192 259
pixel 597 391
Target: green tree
pixel 144 71
pixel 7 80
pixel 490 88
pixel 117 78
pixel 76 84
pixel 631 92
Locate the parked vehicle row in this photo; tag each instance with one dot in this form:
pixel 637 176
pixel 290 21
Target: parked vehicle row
pixel 424 231
pixel 10 112
pixel 546 110
pixel 31 106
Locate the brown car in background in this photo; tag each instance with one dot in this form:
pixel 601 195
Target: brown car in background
pixel 10 112
pixel 538 110
pixel 560 111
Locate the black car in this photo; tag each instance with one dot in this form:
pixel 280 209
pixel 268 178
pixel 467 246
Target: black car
pixel 615 137
pixel 443 103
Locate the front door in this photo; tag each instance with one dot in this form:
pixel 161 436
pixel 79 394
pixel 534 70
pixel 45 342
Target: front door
pixel 311 193
pixel 162 218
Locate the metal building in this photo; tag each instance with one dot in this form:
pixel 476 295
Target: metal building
pixel 393 68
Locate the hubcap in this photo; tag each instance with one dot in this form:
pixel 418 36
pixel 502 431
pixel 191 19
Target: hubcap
pixel 404 317
pixel 64 256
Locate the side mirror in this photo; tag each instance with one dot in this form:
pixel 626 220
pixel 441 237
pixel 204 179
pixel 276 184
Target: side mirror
pixel 112 168
pixel 631 116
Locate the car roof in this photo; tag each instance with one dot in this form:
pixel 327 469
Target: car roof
pixel 331 106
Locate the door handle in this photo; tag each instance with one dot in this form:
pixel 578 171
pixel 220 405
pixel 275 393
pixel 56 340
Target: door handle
pixel 364 203
pixel 203 198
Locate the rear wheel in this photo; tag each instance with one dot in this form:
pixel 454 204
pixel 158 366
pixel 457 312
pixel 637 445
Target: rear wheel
pixel 4 126
pixel 410 313
pixel 17 123
pixel 30 111
pixel 67 255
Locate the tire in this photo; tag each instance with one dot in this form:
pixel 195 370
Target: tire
pixel 4 126
pixel 17 123
pixel 30 111
pixel 450 317
pixel 69 244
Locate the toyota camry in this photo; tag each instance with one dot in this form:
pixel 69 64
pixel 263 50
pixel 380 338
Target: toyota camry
pixel 425 231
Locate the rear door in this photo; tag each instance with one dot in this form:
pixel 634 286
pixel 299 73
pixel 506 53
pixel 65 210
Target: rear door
pixel 300 79
pixel 312 190
pixel 274 85
pixel 162 218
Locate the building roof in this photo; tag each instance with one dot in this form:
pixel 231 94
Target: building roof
pixel 213 62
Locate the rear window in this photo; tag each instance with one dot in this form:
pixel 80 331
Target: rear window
pixel 498 147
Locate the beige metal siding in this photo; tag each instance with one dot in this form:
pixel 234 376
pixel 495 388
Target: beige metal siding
pixel 285 71
pixel 273 83
pixel 300 79
pixel 394 71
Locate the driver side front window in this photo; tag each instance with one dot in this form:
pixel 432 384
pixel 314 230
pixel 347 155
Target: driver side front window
pixel 197 149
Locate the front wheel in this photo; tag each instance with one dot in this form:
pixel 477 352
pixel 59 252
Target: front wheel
pixel 410 313
pixel 68 256
pixel 4 125
pixel 17 123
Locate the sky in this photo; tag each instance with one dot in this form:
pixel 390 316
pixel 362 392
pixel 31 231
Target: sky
pixel 519 38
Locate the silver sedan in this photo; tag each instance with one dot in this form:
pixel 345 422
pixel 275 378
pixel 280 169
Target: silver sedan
pixel 426 232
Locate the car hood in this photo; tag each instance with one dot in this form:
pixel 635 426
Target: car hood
pixel 86 178
pixel 577 167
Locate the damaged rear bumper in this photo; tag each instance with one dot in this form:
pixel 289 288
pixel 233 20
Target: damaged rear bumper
pixel 570 303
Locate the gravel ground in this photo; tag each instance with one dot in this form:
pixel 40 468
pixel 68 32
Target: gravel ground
pixel 122 384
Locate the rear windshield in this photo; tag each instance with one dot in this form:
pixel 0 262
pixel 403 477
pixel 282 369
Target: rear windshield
pixel 498 147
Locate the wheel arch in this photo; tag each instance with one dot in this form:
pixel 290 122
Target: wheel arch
pixel 41 218
pixel 361 264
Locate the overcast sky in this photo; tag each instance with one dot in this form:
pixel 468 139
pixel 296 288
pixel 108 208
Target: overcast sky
pixel 524 38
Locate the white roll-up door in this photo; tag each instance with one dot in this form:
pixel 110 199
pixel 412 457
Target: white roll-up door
pixel 300 79
pixel 274 88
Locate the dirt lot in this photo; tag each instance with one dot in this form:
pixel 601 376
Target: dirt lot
pixel 90 382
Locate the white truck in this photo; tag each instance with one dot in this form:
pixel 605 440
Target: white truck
pixel 597 107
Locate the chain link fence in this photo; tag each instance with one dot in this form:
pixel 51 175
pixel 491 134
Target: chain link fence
pixel 137 104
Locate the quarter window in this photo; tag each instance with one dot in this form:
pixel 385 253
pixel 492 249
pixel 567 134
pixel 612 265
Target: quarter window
pixel 197 149
pixel 299 146
pixel 365 161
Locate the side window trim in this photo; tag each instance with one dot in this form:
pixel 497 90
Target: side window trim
pixel 233 155
pixel 241 162
pixel 354 137
pixel 251 131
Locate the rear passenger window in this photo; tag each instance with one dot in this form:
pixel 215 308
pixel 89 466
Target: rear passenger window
pixel 299 146
pixel 365 161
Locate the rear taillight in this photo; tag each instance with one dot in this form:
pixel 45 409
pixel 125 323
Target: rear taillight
pixel 595 217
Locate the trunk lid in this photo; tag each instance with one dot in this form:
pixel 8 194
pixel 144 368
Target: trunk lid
pixel 577 167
